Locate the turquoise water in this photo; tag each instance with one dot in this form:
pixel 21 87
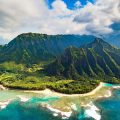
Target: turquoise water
pixel 25 111
pixel 29 110
pixel 110 107
pixel 32 109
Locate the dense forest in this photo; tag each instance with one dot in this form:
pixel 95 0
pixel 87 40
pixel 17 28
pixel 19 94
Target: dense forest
pixel 64 63
pixel 95 59
pixel 34 48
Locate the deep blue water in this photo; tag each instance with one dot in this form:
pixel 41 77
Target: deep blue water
pixel 110 107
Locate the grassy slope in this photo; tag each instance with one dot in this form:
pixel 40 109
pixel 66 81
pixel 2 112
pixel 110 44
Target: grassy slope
pixel 98 60
pixel 18 76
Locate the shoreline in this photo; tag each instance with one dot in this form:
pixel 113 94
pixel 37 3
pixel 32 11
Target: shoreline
pixel 2 87
pixel 49 92
pixel 90 108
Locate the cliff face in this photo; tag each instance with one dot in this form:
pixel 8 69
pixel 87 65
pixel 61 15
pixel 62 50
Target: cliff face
pixel 32 47
pixel 95 59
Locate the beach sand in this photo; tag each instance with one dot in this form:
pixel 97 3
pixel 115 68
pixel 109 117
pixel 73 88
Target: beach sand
pixel 2 87
pixel 49 92
pixel 69 103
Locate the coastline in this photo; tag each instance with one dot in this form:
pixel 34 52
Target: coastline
pixel 2 87
pixel 49 92
pixel 90 109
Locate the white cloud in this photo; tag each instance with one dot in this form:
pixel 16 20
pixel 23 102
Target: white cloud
pixel 99 16
pixel 34 16
pixel 77 4
pixel 14 14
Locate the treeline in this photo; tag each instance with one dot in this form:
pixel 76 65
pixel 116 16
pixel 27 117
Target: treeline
pixel 18 76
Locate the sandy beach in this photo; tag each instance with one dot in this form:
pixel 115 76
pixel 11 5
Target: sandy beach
pixel 2 87
pixel 49 92
pixel 67 102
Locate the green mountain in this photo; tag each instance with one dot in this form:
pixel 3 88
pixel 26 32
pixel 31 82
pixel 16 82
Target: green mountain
pixel 77 67
pixel 33 47
pixel 1 47
pixel 95 59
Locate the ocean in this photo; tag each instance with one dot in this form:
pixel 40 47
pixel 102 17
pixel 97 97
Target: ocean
pixel 17 105
pixel 110 107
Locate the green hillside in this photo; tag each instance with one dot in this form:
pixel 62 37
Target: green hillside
pixel 34 48
pixel 95 59
pixel 58 64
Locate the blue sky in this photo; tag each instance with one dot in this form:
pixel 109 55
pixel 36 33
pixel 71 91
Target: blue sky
pixel 70 3
pixel 91 17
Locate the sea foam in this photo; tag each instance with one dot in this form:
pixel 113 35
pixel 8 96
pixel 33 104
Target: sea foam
pixel 73 107
pixel 4 104
pixel 92 111
pixel 116 87
pixel 22 98
pixel 56 112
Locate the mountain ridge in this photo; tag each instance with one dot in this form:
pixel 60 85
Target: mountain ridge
pixel 95 59
pixel 78 68
pixel 34 47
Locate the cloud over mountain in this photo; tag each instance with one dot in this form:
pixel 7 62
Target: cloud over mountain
pixel 35 16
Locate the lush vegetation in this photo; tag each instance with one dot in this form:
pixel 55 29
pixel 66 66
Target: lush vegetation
pixel 33 62
pixel 96 59
pixel 18 76
pixel 33 48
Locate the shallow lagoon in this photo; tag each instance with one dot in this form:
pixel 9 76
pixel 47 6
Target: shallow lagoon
pixel 20 105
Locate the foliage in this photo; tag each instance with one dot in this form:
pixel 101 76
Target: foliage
pixel 78 70
pixel 95 59
pixel 18 76
pixel 30 48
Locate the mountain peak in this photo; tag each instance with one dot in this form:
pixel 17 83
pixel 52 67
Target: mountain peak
pixel 98 40
pixel 35 47
pixel 31 35
pixel 95 59
pixel 98 43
